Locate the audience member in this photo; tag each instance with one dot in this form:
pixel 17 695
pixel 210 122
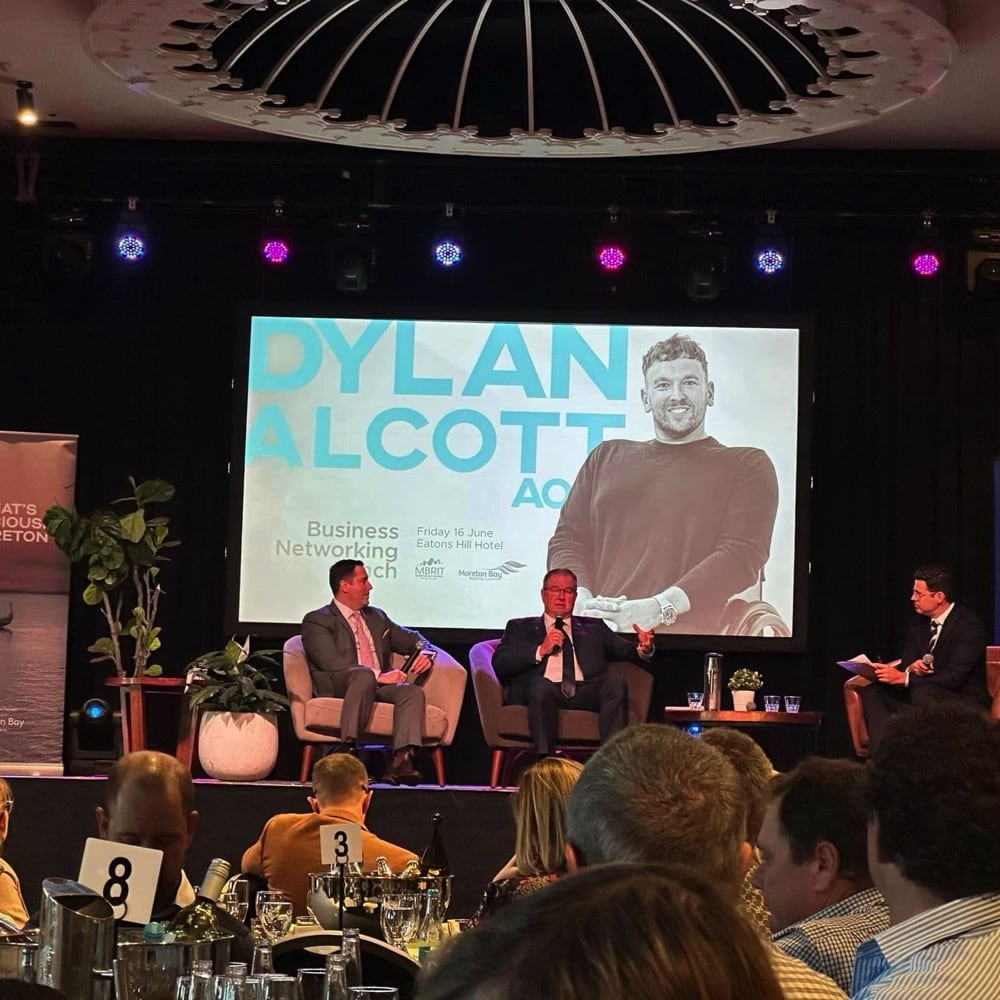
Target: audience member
pixel 559 661
pixel 149 802
pixel 288 848
pixel 349 645
pixel 655 794
pixel 755 771
pixel 540 833
pixel 641 931
pixel 814 866
pixel 934 851
pixel 943 658
pixel 12 908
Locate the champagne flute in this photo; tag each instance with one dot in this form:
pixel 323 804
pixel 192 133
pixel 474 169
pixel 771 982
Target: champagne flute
pixel 399 918
pixel 235 898
pixel 274 910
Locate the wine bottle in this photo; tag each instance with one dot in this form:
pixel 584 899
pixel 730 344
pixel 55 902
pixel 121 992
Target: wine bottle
pixel 200 920
pixel 434 860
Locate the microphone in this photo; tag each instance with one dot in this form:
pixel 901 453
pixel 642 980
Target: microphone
pixel 561 625
pixel 928 660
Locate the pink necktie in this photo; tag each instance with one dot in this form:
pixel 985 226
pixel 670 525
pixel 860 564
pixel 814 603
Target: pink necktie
pixel 366 655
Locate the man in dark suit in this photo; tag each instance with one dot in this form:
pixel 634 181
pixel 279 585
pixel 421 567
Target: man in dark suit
pixel 943 658
pixel 559 661
pixel 348 646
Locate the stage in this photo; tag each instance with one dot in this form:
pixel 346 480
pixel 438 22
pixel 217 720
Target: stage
pixel 54 816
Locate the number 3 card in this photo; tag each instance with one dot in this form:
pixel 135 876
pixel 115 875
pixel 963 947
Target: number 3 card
pixel 340 843
pixel 125 875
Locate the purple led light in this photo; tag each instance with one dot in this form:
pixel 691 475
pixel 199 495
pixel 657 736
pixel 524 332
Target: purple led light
pixel 448 253
pixel 769 261
pixel 925 264
pixel 275 251
pixel 131 247
pixel 611 257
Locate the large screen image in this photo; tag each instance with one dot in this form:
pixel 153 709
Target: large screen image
pixel 460 459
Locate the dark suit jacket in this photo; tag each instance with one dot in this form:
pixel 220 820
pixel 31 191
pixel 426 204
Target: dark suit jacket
pixel 959 656
pixel 330 647
pixel 594 644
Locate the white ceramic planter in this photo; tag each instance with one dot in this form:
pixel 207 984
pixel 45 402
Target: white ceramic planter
pixel 742 700
pixel 237 747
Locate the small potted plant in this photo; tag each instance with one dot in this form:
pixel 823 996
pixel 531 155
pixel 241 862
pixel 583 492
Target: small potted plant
pixel 743 684
pixel 237 729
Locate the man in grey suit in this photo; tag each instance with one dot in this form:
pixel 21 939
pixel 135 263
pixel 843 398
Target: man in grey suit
pixel 349 645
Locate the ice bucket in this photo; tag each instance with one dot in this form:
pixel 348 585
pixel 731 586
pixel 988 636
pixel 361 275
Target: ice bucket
pixel 76 930
pixel 363 896
pixel 145 971
pixel 17 957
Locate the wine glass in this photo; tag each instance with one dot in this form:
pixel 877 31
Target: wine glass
pixel 235 899
pixel 399 918
pixel 274 911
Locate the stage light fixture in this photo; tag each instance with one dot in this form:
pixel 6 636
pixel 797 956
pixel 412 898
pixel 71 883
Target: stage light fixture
pixel 275 243
pixel 447 245
pixel 770 252
pixel 703 261
pixel 926 253
pixel 131 237
pixel 611 253
pixel 26 113
pixel 982 263
pixel 353 254
pixel 68 244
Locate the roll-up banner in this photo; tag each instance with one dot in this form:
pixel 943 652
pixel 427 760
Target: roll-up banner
pixel 36 471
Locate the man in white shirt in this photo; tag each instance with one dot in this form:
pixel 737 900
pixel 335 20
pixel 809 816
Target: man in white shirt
pixel 934 852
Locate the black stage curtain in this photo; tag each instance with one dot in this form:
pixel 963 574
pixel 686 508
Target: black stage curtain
pixel 905 425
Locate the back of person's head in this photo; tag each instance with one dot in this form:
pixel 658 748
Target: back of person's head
pixel 937 577
pixel 751 764
pixel 822 800
pixel 655 794
pixel 934 791
pixel 338 777
pixel 676 348
pixel 540 814
pixel 150 771
pixel 642 931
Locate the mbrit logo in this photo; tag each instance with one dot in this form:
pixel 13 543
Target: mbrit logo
pixel 429 569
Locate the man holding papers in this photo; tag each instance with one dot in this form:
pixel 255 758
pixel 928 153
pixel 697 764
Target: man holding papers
pixel 943 657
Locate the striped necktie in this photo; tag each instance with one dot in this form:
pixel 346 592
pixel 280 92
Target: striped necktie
pixel 935 632
pixel 366 655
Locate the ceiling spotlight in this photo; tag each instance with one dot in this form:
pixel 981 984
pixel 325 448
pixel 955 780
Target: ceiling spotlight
pixel 275 245
pixel 926 254
pixel 353 254
pixel 982 263
pixel 611 253
pixel 703 261
pixel 769 254
pixel 26 113
pixel 447 249
pixel 131 237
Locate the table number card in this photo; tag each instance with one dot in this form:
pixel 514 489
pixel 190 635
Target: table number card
pixel 124 874
pixel 340 843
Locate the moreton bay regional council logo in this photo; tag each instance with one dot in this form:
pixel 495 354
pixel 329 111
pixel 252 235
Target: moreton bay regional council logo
pixel 429 569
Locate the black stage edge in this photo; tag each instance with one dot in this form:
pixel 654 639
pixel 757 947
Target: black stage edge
pixel 54 817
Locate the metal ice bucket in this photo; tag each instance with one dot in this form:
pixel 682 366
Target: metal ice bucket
pixel 363 896
pixel 17 956
pixel 76 940
pixel 145 971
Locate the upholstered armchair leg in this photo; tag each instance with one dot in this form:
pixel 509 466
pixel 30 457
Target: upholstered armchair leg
pixel 307 759
pixel 437 755
pixel 495 768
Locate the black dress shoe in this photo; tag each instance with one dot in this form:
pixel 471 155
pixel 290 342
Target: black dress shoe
pixel 402 771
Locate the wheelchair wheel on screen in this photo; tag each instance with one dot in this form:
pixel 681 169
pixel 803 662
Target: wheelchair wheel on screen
pixel 757 618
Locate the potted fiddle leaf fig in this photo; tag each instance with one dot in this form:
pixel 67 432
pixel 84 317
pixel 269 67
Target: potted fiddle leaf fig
pixel 237 729
pixel 123 551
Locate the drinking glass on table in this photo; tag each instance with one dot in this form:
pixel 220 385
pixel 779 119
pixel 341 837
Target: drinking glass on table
pixel 373 993
pixel 235 898
pixel 772 703
pixel 792 703
pixel 311 983
pixel 399 918
pixel 274 911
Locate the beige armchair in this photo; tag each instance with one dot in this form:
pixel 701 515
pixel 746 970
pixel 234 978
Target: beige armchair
pixel 856 713
pixel 317 720
pixel 505 727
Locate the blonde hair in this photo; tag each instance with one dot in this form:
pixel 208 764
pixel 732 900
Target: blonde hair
pixel 540 815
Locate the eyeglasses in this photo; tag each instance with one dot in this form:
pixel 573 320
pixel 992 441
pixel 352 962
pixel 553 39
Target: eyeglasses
pixel 7 806
pixel 567 591
pixel 924 593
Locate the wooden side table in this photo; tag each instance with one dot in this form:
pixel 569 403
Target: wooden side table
pixel 133 692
